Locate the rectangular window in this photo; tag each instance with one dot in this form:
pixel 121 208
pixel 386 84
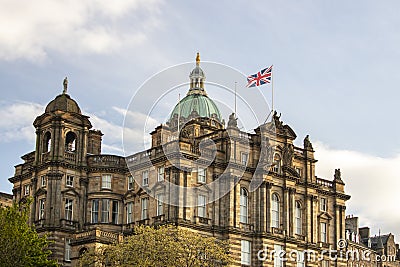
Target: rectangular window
pixel 300 259
pixel 145 178
pixel 160 176
pixel 129 212
pixel 95 211
pixel 160 199
pixel 201 175
pixel 278 257
pixel 43 181
pixel 325 263
pixel 67 249
pixel 114 218
pixel 145 207
pixel 69 180
pixel 244 158
pixel 106 181
pixel 324 232
pixel 41 208
pixel 298 221
pixel 323 204
pixel 26 190
pixel 246 252
pixel 201 206
pixel 105 210
pixel 68 209
pixel 130 183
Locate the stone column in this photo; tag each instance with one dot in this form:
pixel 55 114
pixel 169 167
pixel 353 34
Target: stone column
pixel 262 209
pixel 54 202
pixel 292 194
pixel 268 187
pixel 286 208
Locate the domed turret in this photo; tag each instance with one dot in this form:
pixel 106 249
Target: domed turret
pixel 196 103
pixel 63 102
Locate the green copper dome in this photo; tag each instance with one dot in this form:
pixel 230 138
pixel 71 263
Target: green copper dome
pixel 196 103
pixel 200 103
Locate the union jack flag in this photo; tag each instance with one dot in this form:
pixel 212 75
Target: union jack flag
pixel 260 78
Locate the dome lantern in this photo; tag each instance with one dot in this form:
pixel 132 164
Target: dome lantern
pixel 196 102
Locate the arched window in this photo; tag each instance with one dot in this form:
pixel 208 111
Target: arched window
pixel 277 163
pixel 275 211
pixel 47 142
pixel 298 216
pixel 70 140
pixel 244 205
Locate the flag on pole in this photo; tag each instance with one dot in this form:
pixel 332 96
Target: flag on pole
pixel 260 78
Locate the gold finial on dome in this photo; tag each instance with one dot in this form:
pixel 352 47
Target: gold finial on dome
pixel 198 59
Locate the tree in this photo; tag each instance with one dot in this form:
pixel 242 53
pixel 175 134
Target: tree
pixel 20 244
pixel 167 246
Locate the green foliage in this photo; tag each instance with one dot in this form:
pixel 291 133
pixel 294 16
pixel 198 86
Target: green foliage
pixel 167 246
pixel 20 244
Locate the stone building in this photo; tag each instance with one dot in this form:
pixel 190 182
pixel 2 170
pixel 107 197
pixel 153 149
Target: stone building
pixel 5 199
pixel 364 250
pixel 258 190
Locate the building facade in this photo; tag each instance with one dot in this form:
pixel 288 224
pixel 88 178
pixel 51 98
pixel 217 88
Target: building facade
pixel 6 200
pixel 257 190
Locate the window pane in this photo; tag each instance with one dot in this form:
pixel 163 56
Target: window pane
pixel 130 182
pixel 246 252
pixel 243 206
pixel 106 181
pixel 144 208
pixel 145 178
pixel 68 209
pixel 115 212
pixel 105 210
pixel 95 211
pixel 201 175
pixel 129 218
pixel 160 174
pixel 275 211
pixel 41 208
pixel 201 206
pixel 160 198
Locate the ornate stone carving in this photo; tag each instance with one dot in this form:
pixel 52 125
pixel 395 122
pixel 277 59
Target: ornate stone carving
pixel 338 175
pixel 266 154
pixel 65 84
pixel 287 155
pixel 232 123
pixel 307 143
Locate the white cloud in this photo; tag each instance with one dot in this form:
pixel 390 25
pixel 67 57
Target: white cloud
pixel 16 121
pixel 373 183
pixel 30 29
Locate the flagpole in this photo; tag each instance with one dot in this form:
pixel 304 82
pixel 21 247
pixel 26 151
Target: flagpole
pixel 235 100
pixel 272 84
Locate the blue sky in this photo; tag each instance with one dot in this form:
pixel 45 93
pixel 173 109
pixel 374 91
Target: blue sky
pixel 335 74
